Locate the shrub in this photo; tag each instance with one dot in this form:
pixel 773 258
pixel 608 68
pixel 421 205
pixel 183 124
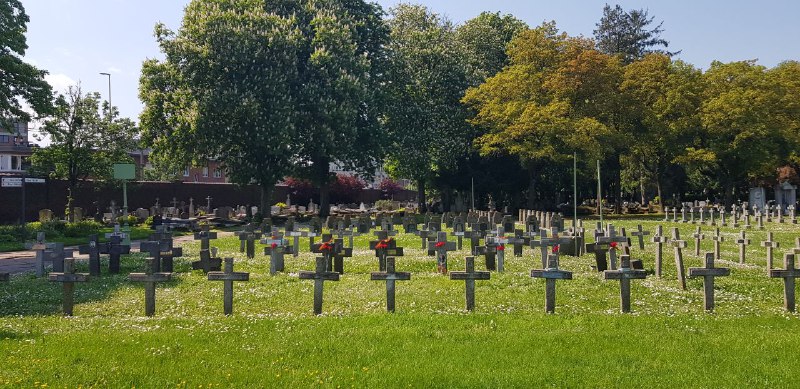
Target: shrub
pixel 346 189
pixel 390 187
pixel 82 228
pixel 149 221
pixel 301 190
pixel 386 205
pixel 132 220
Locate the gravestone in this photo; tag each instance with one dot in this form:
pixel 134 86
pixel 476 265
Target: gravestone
pixel 712 221
pixel 624 275
pixel 385 247
pixel 168 251
pixel 615 242
pixel 68 279
pixel 490 250
pixel 319 276
pixel 743 242
pixel 792 216
pixel 639 233
pixel 114 248
pixel 551 273
pixel 508 224
pixel 469 276
pixel 708 273
pixel 518 241
pixel 427 235
pixel 698 236
pixel 45 215
pixel 93 249
pixel 326 248
pixel 77 214
pixel 150 278
pixel 717 238
pixel 659 239
pixel 789 273
pixel 228 276
pixel 441 246
pixel 545 243
pixel 390 276
pixel 679 245
pixel 277 248
pixel 409 224
pixel 769 244
pixel 208 261
pixel 757 198
pixel 458 231
pixel 247 240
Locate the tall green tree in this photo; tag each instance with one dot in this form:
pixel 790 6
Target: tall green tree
pixel 19 81
pixel 225 91
pixel 84 144
pixel 629 34
pixel 485 39
pixel 426 79
pixel 556 97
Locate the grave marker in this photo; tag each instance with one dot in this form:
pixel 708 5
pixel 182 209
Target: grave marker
pixel 624 275
pixel 93 249
pixel 659 239
pixel 277 248
pixel 390 276
pixel 639 233
pixel 717 238
pixel 319 276
pixel 385 247
pixel 228 276
pixel 698 236
pixel 708 273
pixel 150 278
pixel 68 279
pixel 789 273
pixel 469 276
pixel 551 273
pixel 769 244
pixel 743 242
pixel 441 246
pixel 678 245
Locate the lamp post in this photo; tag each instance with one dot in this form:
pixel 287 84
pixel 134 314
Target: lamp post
pixel 109 93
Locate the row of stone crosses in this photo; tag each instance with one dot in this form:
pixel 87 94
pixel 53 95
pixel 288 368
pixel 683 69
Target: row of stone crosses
pixel 330 264
pixel 736 217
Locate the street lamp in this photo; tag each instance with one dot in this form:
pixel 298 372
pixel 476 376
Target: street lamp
pixel 109 92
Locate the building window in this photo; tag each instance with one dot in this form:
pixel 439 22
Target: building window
pixel 186 171
pixel 5 138
pixel 205 171
pixel 217 173
pixel 15 165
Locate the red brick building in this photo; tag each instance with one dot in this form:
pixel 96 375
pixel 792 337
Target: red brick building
pixel 14 148
pixel 211 172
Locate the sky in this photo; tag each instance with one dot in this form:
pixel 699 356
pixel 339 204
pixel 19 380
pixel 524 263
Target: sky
pixel 75 40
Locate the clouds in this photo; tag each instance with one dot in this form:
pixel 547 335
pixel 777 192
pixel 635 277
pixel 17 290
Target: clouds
pixel 60 82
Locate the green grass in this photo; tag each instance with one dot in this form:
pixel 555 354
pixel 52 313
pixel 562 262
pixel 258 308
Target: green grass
pixel 273 339
pixel 137 233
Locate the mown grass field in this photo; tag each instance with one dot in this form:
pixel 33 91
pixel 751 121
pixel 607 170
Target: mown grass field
pixel 274 340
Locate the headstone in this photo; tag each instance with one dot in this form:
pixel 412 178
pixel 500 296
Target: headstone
pixel 546 243
pixel 769 244
pixel 551 273
pixel 441 246
pixel 150 278
pixel 385 247
pixel 717 238
pixel 208 261
pixel 659 239
pixel 679 245
pixel 277 248
pixel 390 276
pixel 639 233
pixel 469 276
pixel 319 276
pixel 615 242
pixel 789 273
pixel 757 198
pixel 792 216
pixel 228 276
pixel 708 273
pixel 743 242
pixel 698 236
pixel 625 274
pixel 45 215
pixel 77 214
pixel 68 279
pixel 93 249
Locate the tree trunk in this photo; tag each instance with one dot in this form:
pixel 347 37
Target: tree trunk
pixel 421 195
pixel 322 177
pixel 70 215
pixel 531 188
pixel 658 193
pixel 641 188
pixel 447 198
pixel 265 206
pixel 728 194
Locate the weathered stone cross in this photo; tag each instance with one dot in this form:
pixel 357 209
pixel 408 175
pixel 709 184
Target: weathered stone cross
pixel 277 248
pixel 319 276
pixel 659 239
pixel 206 262
pixel 228 277
pixel 441 246
pixel 698 236
pixel 114 248
pixel 469 276
pixel 390 276
pixel 769 244
pixel 550 274
pixel 93 249
pixel 678 245
pixel 717 238
pixel 625 274
pixel 743 242
pixel 789 273
pixel 708 273
pixel 639 233
pixel 68 279
pixel 385 247
pixel 150 278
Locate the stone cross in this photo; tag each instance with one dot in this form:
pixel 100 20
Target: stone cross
pixel 426 235
pixel 295 240
pixel 613 240
pixel 674 214
pixel 678 245
pixel 326 248
pixel 659 239
pixel 691 215
pixel 550 274
pixel 150 278
pixel 342 230
pixel 409 224
pixel 163 253
pixel 68 279
pixel 769 244
pixel 114 248
pixel 206 262
pixel 702 215
pixel 518 241
pixel 474 237
pixel 390 276
pixel 779 213
pixel 385 247
pixel 228 276
pixel 722 216
pixel 93 249
pixel 441 246
pixel 760 220
pixel 544 243
pixel 469 276
pixel 717 238
pixel 698 236
pixel 743 242
pixel 277 248
pixel 319 276
pixel 734 217
pixel 458 231
pixel 625 274
pixel 683 213
pixel 208 204
pixel 666 214
pixel 340 252
pixel 639 233
pixel 247 240
pixel 711 215
pixel 789 273
pixel 708 273
pixel 168 252
pixel 747 219
pixel 490 251
pixel 792 216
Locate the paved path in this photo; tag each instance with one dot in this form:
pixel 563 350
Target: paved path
pixel 15 262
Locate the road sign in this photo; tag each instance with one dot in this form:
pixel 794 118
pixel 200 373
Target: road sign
pixel 29 180
pixel 12 182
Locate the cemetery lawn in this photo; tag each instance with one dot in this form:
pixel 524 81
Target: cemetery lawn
pixel 272 339
pixel 137 233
